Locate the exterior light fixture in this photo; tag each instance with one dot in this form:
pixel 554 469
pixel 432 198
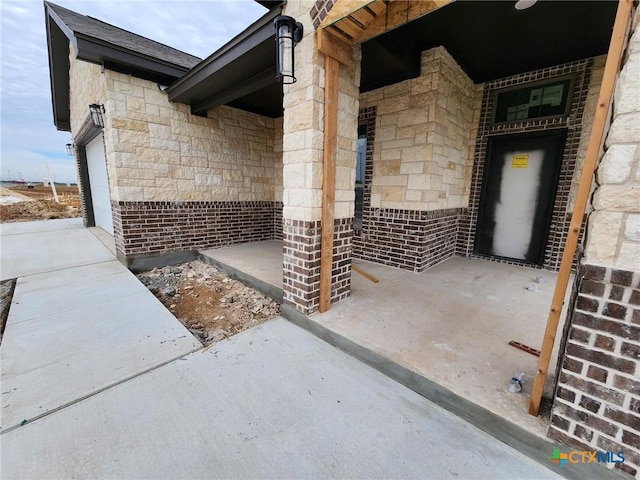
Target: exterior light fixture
pixel 288 34
pixel 96 111
pixel 524 4
pixel 70 150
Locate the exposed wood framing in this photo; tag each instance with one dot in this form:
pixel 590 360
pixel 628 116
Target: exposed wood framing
pixel 331 46
pixel 332 70
pixel 611 69
pixel 357 21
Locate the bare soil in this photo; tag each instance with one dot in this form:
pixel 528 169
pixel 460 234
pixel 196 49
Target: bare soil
pixel 41 205
pixel 209 303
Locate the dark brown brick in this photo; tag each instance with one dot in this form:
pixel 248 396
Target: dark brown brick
pixel 621 417
pixel 597 373
pixel 635 297
pixel 634 405
pixel 565 394
pixel 572 365
pixel 630 350
pixel 583 433
pixel 626 384
pixel 585 418
pixel 579 335
pixel 590 388
pixel 635 316
pixel 590 404
pixel 614 310
pixel 631 439
pixel 587 304
pixel 626 468
pixel 591 287
pixel 616 293
pixel 605 343
pixel 562 437
pixel 560 422
pixel 593 272
pixel 604 359
pixel 621 277
pixel 619 329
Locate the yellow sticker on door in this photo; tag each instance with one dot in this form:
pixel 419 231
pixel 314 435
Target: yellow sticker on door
pixel 520 161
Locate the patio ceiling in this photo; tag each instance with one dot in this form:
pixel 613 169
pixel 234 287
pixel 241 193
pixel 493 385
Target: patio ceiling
pixel 489 40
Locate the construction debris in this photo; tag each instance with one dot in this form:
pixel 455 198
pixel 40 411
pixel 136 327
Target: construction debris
pixel 210 304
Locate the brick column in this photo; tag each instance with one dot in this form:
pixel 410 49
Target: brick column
pixel 302 177
pixel 597 400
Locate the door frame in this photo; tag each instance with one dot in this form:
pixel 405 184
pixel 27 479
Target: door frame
pixel 560 133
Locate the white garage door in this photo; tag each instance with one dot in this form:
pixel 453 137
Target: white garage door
pixel 99 184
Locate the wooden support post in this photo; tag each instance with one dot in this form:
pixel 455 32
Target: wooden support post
pixel 612 66
pixel 331 80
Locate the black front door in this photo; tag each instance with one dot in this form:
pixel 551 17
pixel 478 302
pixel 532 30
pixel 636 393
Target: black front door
pixel 518 191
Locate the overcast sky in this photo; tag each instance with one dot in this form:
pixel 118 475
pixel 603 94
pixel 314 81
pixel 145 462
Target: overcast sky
pixel 28 135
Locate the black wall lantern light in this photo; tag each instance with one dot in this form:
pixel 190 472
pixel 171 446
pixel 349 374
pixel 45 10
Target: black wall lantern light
pixel 288 34
pixel 96 111
pixel 70 150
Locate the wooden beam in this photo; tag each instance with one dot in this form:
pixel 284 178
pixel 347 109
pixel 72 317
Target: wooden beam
pixel 398 13
pixel 342 9
pixel 331 80
pixel 333 47
pixel 611 69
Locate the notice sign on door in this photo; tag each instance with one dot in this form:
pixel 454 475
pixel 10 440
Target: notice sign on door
pixel 520 161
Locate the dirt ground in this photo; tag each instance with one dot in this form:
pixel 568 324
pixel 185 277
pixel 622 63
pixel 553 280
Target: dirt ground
pixel 210 304
pixel 37 203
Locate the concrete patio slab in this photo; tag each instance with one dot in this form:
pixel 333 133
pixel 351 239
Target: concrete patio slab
pixel 48 249
pixel 452 324
pixel 263 260
pixel 272 402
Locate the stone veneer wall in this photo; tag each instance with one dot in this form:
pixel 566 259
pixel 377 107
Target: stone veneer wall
pixel 88 86
pixel 303 168
pixel 597 400
pixel 425 136
pixel 179 181
pixel 576 127
pixel 420 136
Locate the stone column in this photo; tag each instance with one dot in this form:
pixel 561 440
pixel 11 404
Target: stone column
pixel 302 177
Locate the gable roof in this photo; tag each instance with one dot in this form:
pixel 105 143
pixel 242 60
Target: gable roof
pixel 99 42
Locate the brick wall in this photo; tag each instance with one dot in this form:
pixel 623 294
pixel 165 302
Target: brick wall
pixel 409 239
pixel 576 129
pixel 152 228
pixel 597 404
pixel 320 10
pixel 301 247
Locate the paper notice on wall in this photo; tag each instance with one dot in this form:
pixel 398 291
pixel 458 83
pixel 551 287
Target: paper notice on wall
pixel 520 161
pixel 523 112
pixel 535 97
pixel 511 113
pixel 552 95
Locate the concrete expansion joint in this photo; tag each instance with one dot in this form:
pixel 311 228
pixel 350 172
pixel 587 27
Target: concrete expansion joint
pixel 26 422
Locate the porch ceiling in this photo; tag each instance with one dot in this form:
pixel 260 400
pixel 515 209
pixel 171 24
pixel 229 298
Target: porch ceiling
pixel 491 39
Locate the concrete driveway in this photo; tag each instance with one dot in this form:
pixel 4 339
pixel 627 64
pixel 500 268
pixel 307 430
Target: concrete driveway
pixel 100 381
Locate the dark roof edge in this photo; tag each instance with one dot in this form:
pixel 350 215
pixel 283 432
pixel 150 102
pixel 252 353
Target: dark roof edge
pixel 227 50
pixel 271 3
